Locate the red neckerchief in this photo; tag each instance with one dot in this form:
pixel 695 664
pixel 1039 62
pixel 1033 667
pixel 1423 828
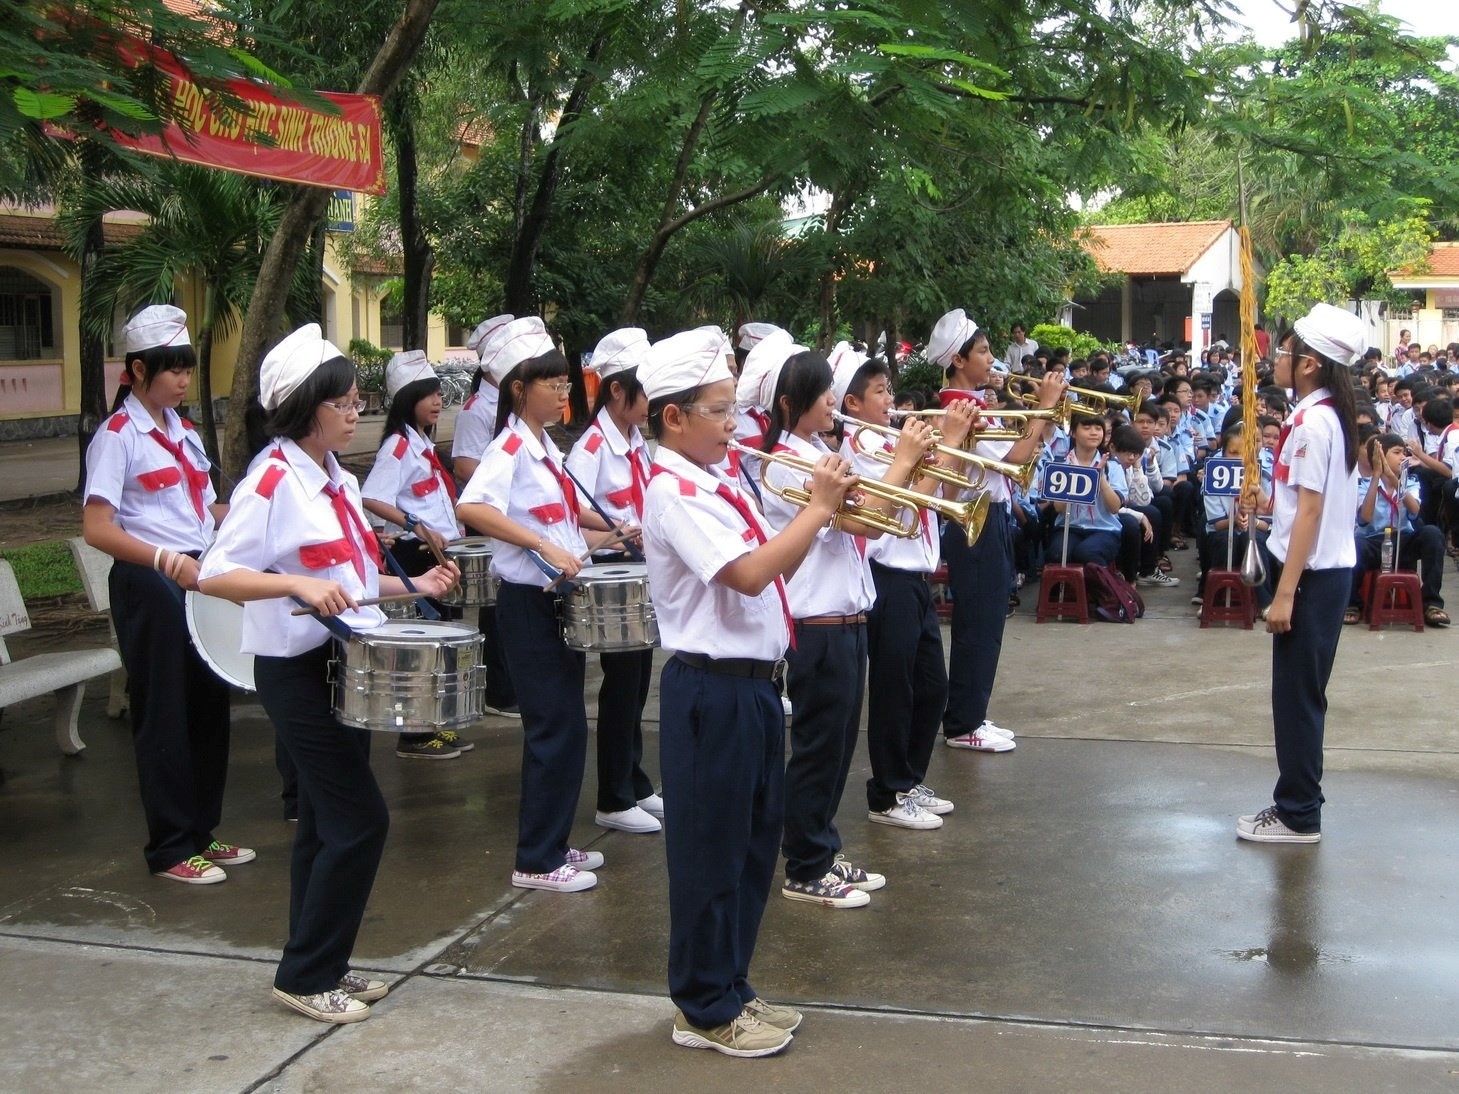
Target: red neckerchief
pixel 637 462
pixel 345 513
pixel 742 507
pixel 1280 470
pixel 949 395
pixel 446 480
pixel 196 479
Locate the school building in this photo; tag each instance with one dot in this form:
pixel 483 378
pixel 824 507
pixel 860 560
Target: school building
pixel 1434 317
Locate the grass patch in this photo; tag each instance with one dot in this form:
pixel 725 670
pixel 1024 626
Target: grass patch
pixel 44 570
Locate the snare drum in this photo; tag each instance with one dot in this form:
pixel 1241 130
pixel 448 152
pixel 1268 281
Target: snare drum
pixel 477 587
pixel 410 676
pixel 216 627
pixel 609 609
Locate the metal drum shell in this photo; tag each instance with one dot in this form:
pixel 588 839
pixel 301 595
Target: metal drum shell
pixel 477 587
pixel 610 610
pixel 410 676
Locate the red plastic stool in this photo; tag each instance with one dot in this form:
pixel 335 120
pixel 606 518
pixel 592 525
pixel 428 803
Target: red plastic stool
pixel 940 600
pixel 1397 598
pixel 1240 606
pixel 1076 602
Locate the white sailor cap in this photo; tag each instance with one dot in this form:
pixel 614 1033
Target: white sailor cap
pixel 689 359
pixel 157 325
pixel 619 350
pixel 291 362
pixel 512 343
pixel 406 368
pixel 948 336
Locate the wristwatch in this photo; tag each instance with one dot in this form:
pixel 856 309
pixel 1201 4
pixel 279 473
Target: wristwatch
pixel 411 520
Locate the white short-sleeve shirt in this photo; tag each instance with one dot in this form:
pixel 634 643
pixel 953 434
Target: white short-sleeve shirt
pixel 690 534
pixel 1312 455
pixel 919 555
pixel 145 484
pixel 476 422
pixel 604 461
pixel 403 476
pixel 281 519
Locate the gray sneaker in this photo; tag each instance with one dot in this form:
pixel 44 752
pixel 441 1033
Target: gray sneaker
pixel 1268 827
pixel 336 1007
pixel 366 991
pixel 745 1036
pixel 786 1018
pixel 927 798
pixel 855 876
pixel 830 891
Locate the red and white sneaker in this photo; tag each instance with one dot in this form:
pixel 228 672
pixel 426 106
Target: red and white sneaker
pixel 226 854
pixel 980 740
pixel 194 871
pixel 584 860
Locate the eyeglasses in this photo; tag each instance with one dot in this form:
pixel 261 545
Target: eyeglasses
pixel 344 408
pixel 556 389
pixel 717 414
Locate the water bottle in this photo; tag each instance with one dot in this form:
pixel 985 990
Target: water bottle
pixel 1387 557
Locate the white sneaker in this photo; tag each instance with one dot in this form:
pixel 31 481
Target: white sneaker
pixel 1159 579
pixel 565 879
pixel 336 1007
pixel 980 740
pixel 905 814
pixel 584 860
pixel 1268 827
pixel 628 820
pixel 922 794
pixel 653 805
pixel 997 731
pixel 785 705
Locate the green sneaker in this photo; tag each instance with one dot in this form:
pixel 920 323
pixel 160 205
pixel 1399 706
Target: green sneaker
pixel 785 1018
pixel 745 1036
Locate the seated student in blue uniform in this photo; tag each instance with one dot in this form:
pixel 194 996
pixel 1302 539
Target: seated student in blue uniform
pixel 1388 505
pixel 1094 528
pixel 1223 517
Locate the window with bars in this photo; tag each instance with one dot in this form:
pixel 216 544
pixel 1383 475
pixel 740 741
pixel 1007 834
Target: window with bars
pixel 27 317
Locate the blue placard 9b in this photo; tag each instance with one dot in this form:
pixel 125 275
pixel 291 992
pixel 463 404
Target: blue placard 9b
pixel 1070 483
pixel 1223 478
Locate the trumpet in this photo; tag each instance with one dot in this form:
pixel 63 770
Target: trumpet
pixel 1021 473
pixel 970 516
pixel 1094 402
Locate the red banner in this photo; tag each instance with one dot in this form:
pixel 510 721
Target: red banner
pixel 267 136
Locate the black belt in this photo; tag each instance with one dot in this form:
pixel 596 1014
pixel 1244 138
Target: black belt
pixel 735 666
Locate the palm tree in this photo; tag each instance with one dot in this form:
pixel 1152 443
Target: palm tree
pixel 210 226
pixel 750 270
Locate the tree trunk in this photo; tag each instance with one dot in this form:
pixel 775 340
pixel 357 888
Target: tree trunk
pixel 92 346
pixel 306 204
pixel 840 202
pixel 206 327
pixel 533 226
pixel 419 258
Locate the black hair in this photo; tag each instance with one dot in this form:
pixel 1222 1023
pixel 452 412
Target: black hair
pixel 1229 434
pixel 1329 373
pixel 1274 397
pixel 1404 384
pixel 1439 412
pixel 627 379
pixel 1390 441
pixel 979 335
pixel 1172 383
pixel 294 417
pixel 156 359
pixel 1232 415
pixel 919 398
pixel 804 378
pixel 1266 420
pixel 402 407
pixel 546 367
pixel 1126 438
pixel 1150 408
pixel 657 406
pixel 864 375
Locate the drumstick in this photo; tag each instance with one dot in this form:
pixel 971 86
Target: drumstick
pixel 364 603
pixel 616 538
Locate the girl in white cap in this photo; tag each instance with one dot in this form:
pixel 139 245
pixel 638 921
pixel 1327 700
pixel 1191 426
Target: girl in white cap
pixel 611 460
pixel 150 504
pixel 1314 497
pixel 297 532
pixel 521 497
pixel 413 493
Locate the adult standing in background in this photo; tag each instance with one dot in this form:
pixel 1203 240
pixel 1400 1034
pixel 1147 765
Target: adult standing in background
pixel 1022 346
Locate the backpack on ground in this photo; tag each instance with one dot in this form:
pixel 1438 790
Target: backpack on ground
pixel 1111 597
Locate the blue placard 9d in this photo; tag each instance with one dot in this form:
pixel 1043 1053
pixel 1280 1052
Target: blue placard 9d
pixel 1070 483
pixel 1223 478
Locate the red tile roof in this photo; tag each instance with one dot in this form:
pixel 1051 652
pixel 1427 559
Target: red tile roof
pixel 1443 262
pixel 1151 250
pixel 44 234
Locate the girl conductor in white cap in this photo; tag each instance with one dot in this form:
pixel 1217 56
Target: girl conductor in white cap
pixel 413 493
pixel 521 497
pixel 297 532
pixel 611 460
pixel 150 504
pixel 1314 497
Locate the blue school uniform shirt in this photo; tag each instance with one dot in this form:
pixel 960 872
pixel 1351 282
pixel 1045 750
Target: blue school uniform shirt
pixel 1386 508
pixel 1097 517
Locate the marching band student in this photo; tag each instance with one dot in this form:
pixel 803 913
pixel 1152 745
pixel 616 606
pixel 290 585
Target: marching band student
pixel 297 530
pixel 611 460
pixel 474 429
pixel 1388 502
pixel 1311 545
pixel 414 495
pixel 717 574
pixel 520 496
pixel 150 504
pixel 1094 528
pixel 981 576
pixel 826 678
pixel 907 676
pixel 768 347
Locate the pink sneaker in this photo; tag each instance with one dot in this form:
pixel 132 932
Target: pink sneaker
pixel 980 740
pixel 194 871
pixel 565 879
pixel 226 854
pixel 584 860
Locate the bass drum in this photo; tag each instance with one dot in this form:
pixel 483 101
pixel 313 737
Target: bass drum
pixel 216 626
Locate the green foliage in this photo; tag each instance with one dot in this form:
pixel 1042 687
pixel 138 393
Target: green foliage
pixel 1049 336
pixel 370 361
pixel 916 373
pixel 1353 265
pixel 44 570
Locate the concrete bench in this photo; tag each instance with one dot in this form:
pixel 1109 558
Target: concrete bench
pixel 95 569
pixel 65 673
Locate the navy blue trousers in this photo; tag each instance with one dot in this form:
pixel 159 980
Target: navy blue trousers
pixel 1088 545
pixel 906 684
pixel 622 783
pixel 180 716
pixel 1301 666
pixel 722 752
pixel 554 723
pixel 343 820
pixel 500 693
pixel 979 578
pixel 826 680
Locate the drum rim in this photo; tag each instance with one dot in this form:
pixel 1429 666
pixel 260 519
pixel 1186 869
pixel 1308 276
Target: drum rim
pixel 234 676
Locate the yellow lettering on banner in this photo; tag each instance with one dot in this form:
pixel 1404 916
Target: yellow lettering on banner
pixel 260 126
pixel 293 125
pixel 188 108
